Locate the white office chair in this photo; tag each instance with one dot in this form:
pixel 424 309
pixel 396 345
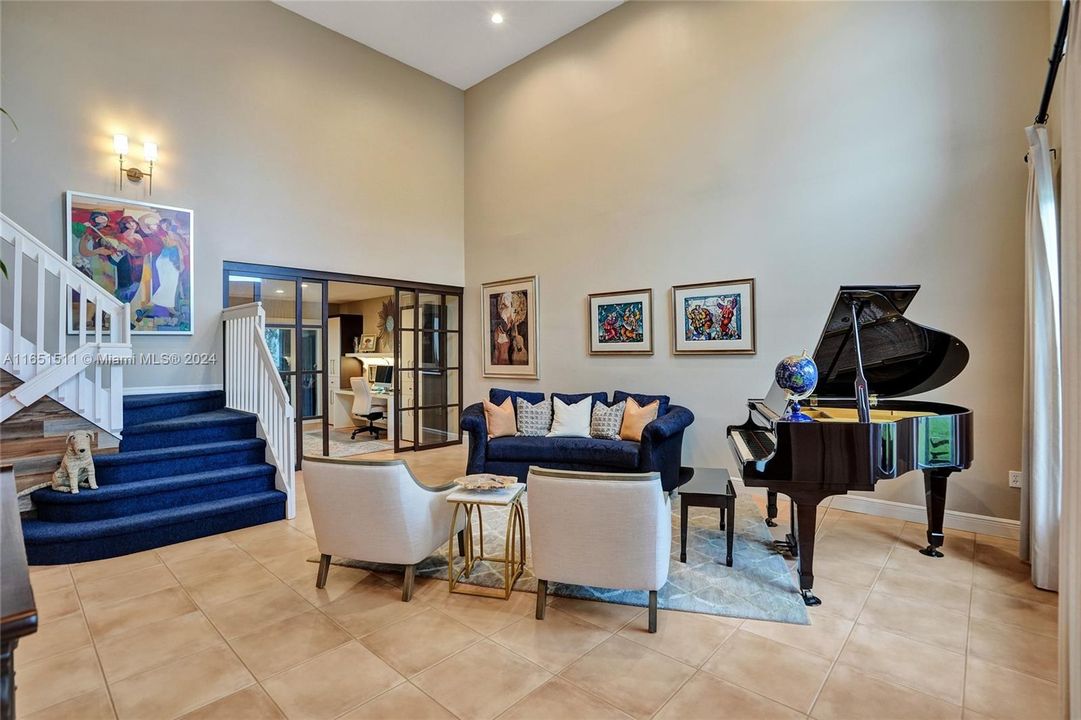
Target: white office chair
pixel 376 511
pixel 601 529
pixel 363 409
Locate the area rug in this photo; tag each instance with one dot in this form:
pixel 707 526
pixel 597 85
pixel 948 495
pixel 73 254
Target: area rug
pixel 759 586
pixel 341 445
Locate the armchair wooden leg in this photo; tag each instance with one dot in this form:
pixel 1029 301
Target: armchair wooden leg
pixel 461 543
pixel 653 611
pixel 324 568
pixel 542 598
pixel 407 586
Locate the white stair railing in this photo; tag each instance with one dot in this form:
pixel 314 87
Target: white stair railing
pixel 252 384
pixel 83 371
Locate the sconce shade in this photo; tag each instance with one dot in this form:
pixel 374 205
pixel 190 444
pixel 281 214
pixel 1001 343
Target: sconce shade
pixel 150 151
pixel 120 144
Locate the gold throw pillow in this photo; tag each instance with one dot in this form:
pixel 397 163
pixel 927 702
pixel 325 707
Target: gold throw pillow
pixel 500 419
pixel 635 419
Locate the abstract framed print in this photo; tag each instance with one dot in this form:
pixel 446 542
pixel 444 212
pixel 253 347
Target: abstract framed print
pixel 621 323
pixel 140 252
pixel 714 318
pixel 509 328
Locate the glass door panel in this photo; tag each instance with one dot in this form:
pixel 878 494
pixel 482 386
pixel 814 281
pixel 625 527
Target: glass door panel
pixel 405 355
pixel 429 370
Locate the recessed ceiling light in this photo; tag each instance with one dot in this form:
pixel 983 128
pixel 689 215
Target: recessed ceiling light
pixel 497 18
pixel 280 291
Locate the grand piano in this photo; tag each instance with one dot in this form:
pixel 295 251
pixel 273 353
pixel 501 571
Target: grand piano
pixel 868 354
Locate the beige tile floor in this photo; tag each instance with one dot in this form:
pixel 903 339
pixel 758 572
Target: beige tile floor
pixel 232 627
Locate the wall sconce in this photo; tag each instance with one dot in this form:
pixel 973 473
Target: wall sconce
pixel 134 174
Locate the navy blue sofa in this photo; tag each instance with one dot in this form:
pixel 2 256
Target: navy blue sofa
pixel 660 450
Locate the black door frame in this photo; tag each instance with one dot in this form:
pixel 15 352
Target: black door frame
pixel 281 272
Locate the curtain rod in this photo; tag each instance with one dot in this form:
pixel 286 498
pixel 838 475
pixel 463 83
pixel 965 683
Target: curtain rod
pixel 1056 57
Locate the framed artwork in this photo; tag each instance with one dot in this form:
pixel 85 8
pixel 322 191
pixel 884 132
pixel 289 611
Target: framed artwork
pixel 714 318
pixel 509 327
pixel 367 343
pixel 621 322
pixel 140 252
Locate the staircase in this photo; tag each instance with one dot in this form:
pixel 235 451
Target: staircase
pixel 188 467
pixel 189 464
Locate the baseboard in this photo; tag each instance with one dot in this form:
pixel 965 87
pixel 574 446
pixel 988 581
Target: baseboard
pixel 953 519
pixel 159 389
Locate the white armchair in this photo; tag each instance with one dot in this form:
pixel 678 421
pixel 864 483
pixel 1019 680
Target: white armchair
pixel 376 511
pixel 607 530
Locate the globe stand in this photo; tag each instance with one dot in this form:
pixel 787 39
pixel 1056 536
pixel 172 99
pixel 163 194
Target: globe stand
pixel 795 414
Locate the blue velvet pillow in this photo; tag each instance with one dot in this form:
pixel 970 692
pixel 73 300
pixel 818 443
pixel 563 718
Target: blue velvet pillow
pixel 572 398
pixel 643 400
pixel 497 396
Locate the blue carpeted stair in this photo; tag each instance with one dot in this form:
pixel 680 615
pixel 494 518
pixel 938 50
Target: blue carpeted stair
pixel 187 467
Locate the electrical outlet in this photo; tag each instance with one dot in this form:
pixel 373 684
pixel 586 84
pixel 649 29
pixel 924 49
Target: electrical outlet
pixel 1015 478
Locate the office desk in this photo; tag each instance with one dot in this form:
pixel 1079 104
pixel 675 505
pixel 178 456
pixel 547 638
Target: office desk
pixel 342 406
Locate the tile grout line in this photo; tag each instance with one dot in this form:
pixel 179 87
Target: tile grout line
pixel 968 632
pixel 93 643
pixel 855 623
pixel 199 608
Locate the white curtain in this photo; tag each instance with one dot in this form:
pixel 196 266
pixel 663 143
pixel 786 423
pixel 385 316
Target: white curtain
pixel 1041 493
pixel 1069 624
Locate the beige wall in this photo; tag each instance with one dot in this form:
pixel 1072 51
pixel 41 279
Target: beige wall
pixel 292 144
pixel 370 310
pixel 808 145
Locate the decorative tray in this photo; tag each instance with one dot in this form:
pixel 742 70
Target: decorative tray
pixel 486 481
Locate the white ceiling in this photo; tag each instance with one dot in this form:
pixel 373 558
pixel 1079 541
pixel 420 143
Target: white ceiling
pixel 453 40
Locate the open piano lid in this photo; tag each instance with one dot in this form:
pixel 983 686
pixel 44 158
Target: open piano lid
pixel 899 357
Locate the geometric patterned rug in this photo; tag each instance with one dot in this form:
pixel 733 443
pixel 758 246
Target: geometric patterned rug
pixel 759 586
pixel 341 445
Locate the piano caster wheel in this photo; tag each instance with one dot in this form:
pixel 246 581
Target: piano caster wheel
pixel 809 599
pixel 931 551
pixel 770 523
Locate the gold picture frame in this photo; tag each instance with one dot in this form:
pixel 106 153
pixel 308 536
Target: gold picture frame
pixel 620 323
pixel 715 318
pixel 509 320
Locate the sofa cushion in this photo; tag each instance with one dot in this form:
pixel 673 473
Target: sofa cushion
pixel 643 400
pixel 635 419
pixel 570 420
pixel 611 453
pixel 534 420
pixel 497 396
pixel 572 398
pixel 500 419
pixel 607 421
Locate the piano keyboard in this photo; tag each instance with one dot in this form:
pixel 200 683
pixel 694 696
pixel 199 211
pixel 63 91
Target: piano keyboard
pixel 754 444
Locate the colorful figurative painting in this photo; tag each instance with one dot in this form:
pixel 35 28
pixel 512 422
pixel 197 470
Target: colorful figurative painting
pixel 139 252
pixel 714 317
pixel 509 310
pixel 621 322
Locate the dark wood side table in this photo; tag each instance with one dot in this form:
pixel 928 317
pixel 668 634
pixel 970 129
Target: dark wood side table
pixel 709 487
pixel 18 612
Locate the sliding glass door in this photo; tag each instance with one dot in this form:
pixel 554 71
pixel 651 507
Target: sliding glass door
pixel 426 326
pixel 427 361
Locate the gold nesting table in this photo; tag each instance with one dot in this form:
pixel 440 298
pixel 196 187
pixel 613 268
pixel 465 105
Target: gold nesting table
pixel 513 559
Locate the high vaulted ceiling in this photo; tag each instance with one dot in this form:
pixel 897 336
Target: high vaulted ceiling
pixel 453 40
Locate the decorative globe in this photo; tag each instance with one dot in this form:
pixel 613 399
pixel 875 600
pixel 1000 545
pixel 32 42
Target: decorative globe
pixel 797 375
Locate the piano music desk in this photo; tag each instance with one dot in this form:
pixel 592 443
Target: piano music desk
pixel 709 487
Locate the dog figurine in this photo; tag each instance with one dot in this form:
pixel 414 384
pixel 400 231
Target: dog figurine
pixel 77 466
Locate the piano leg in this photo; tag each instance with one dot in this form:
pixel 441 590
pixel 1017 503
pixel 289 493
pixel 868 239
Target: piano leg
pixel 771 508
pixel 934 484
pixel 805 515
